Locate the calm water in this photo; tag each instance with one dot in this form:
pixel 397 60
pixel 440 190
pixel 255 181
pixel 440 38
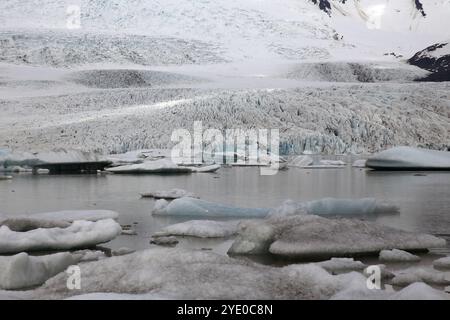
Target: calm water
pixel 424 200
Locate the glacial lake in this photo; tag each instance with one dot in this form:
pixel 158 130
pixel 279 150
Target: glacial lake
pixel 423 197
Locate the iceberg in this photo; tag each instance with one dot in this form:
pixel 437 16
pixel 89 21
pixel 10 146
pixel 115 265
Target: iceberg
pixel 420 291
pixel 170 194
pixel 73 215
pixel 164 241
pixel 80 234
pixel 442 263
pixel 22 271
pixel 195 207
pixel 333 206
pixel 162 166
pixel 396 255
pixel 206 169
pixel 407 158
pixel 420 274
pixel 314 237
pixel 201 229
pixel 332 163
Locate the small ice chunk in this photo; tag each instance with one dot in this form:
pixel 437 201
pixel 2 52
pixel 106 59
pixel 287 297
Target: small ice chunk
pixel 169 194
pixel 341 265
pixel 396 255
pixel 209 168
pixel 442 263
pixel 332 206
pixel 80 234
pixel 164 241
pixel 162 166
pixel 73 215
pixel 201 229
pixel 122 251
pixel 22 271
pixel 90 255
pixel 360 163
pixel 195 207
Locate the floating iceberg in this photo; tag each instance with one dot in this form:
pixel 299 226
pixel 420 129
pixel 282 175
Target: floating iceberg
pixel 162 166
pixel 201 229
pixel 5 178
pixel 80 234
pixel 196 207
pixel 208 168
pixel 313 237
pixel 23 271
pixel 138 156
pixel 332 163
pixel 407 158
pixel 396 255
pixel 333 206
pixel 420 274
pixel 442 263
pixel 164 241
pixel 23 224
pixel 170 194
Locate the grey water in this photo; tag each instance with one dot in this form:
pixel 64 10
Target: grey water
pixel 423 199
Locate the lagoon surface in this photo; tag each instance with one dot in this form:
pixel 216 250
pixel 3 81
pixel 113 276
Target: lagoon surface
pixel 423 197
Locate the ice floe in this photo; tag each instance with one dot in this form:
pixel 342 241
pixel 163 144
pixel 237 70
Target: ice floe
pixel 301 161
pixel 162 166
pixel 396 255
pixel 201 229
pixel 23 271
pixel 73 215
pixel 442 263
pixel 169 194
pixel 309 236
pixel 332 162
pixel 164 240
pixel 196 207
pixel 407 158
pixel 80 234
pixel 207 168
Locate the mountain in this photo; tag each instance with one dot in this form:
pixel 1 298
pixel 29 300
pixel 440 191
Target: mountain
pixel 435 58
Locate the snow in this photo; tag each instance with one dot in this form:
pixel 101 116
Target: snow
pixel 196 207
pixel 80 234
pixel 309 236
pixel 396 255
pixel 403 158
pixel 442 263
pixel 22 271
pixel 341 265
pixel 360 163
pixel 411 275
pixel 201 229
pixel 169 194
pixel 162 166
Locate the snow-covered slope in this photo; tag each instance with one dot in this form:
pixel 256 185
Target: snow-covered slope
pixel 435 58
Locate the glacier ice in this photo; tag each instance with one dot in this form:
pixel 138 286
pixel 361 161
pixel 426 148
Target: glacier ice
pixel 407 158
pixel 396 255
pixel 301 161
pixel 162 166
pixel 201 229
pixel 309 236
pixel 360 163
pixel 22 271
pixel 341 265
pixel 197 207
pixel 80 234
